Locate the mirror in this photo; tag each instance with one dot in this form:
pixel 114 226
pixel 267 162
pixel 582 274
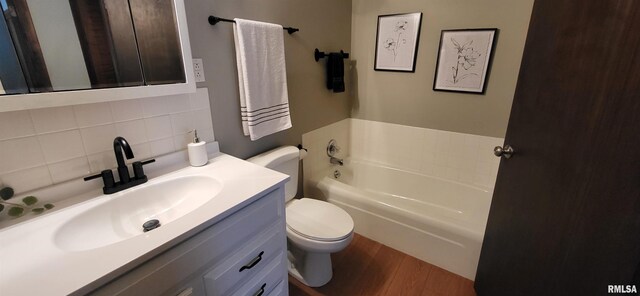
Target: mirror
pixel 156 30
pixel 11 77
pixel 65 45
pixel 108 42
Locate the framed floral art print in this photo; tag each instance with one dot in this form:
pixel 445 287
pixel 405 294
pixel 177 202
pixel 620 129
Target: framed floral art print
pixel 397 42
pixel 464 59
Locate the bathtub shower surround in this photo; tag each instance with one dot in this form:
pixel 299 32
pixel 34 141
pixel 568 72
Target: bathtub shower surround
pixel 453 156
pixel 47 146
pixel 424 192
pixel 317 161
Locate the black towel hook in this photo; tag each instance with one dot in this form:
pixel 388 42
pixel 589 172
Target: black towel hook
pixel 321 54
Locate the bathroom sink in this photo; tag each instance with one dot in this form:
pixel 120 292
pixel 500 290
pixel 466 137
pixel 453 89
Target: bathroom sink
pixel 121 217
pixel 91 238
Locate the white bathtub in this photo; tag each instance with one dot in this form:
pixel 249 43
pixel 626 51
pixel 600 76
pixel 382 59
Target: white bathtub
pixel 439 221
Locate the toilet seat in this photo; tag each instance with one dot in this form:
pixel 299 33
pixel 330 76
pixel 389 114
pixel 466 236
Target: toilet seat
pixel 318 220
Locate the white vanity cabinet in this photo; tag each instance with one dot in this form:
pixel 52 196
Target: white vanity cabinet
pixel 242 254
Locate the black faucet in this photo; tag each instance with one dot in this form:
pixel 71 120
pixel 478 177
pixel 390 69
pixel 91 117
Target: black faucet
pixel 120 146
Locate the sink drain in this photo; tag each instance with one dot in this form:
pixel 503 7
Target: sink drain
pixel 150 225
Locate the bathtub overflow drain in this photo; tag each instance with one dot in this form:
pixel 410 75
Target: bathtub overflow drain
pixel 150 225
pixel 336 174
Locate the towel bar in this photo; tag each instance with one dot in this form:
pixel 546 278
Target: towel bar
pixel 213 20
pixel 321 54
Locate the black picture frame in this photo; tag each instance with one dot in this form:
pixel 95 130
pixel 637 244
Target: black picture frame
pixel 469 52
pixel 392 22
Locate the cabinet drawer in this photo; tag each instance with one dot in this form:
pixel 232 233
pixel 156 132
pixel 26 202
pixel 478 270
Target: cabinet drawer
pixel 248 262
pixel 267 280
pixel 282 289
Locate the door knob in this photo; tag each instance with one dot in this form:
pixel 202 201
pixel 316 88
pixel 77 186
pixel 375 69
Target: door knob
pixel 507 151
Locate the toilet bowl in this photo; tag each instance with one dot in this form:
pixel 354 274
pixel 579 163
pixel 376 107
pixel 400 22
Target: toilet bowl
pixel 315 228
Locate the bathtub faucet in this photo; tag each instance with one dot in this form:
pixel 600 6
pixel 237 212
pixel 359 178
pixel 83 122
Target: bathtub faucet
pixel 337 161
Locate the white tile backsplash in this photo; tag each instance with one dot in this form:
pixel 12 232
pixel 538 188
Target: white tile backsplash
pixel 202 120
pixel 98 138
pixel 182 140
pixel 140 152
pixel 61 146
pixel 163 146
pixel 21 153
pixel 53 119
pixel 159 127
pixel 205 134
pixel 460 157
pixel 42 147
pixel 155 106
pixel 182 122
pixel 178 104
pixel 135 131
pixel 101 161
pixel 69 169
pixel 93 114
pixel 25 180
pixel 199 100
pixel 126 110
pixel 16 124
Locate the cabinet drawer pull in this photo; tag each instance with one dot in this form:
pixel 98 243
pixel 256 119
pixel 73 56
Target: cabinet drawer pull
pixel 261 291
pixel 253 262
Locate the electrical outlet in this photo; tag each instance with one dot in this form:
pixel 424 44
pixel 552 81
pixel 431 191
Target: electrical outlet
pixel 197 64
pixel 198 70
pixel 199 76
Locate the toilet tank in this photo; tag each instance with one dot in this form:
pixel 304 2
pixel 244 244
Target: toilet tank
pixel 285 160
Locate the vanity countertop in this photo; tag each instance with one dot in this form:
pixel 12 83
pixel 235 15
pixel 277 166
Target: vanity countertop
pixel 33 263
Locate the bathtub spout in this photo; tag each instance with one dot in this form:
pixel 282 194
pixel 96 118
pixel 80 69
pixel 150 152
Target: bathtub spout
pixel 337 161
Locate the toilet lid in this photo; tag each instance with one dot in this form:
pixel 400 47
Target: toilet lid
pixel 318 220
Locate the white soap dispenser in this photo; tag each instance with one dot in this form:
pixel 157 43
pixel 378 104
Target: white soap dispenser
pixel 197 151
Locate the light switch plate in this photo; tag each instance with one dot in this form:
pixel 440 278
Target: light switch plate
pixel 198 70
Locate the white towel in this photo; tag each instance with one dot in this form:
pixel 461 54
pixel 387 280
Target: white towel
pixel 264 100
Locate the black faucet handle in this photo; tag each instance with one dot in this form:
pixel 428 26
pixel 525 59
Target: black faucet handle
pixel 148 161
pixel 107 179
pixel 107 176
pixel 89 178
pixel 138 171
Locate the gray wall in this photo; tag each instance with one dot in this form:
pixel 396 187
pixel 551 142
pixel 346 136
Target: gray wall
pixel 408 99
pixel 323 24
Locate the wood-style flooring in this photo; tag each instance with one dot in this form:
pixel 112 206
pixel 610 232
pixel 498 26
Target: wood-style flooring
pixel 367 267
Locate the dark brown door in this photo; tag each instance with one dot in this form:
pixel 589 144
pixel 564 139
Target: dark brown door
pixel 565 215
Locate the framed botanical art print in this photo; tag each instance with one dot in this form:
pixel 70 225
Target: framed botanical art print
pixel 464 59
pixel 397 42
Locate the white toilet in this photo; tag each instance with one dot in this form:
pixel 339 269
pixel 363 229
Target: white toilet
pixel 315 228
